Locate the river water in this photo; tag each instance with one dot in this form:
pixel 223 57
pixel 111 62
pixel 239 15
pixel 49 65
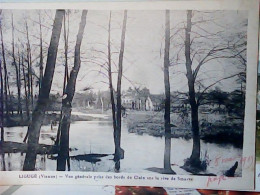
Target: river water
pixel 141 151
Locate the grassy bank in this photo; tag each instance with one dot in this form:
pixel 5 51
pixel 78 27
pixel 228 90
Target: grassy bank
pixel 152 123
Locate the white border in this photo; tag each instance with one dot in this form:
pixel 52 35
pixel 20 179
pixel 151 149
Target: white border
pixel 246 182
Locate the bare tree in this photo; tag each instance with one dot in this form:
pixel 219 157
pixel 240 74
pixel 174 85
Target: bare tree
pixel 39 111
pixel 2 91
pixel 66 42
pixel 41 54
pixel 25 93
pixel 195 156
pixel 20 82
pixel 167 108
pixel 17 71
pixel 63 154
pixel 2 103
pixel 66 68
pixel 6 83
pixel 111 88
pixel 241 61
pixel 115 96
pixel 219 50
pixel 27 98
pixel 29 68
pixel 119 152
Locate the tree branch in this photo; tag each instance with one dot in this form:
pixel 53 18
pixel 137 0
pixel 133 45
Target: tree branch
pixel 203 92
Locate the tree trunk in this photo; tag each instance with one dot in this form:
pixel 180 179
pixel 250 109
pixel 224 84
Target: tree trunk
pixel 2 103
pixel 26 100
pixel 2 97
pixel 28 79
pixel 25 91
pixel 7 109
pixel 66 41
pixel 19 108
pixel 41 55
pixel 10 98
pixel 3 159
pixel 111 89
pixel 119 152
pixel 20 82
pixel 29 58
pixel 39 111
pixel 195 155
pixel 63 154
pixel 194 159
pixel 66 72
pixel 167 109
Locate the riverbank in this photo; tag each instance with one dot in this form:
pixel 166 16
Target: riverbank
pixel 212 130
pixel 152 123
pixel 92 146
pixel 16 147
pixel 53 117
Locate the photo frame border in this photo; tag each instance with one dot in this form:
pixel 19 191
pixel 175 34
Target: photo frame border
pixel 246 182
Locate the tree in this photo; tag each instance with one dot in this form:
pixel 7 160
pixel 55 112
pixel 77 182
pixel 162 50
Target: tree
pixel 111 88
pixel 217 96
pixel 167 108
pixel 63 154
pixel 66 69
pixel 119 152
pixel 2 103
pixel 66 42
pixel 195 156
pixel 220 49
pixel 17 71
pixel 29 63
pixel 41 53
pixel 114 96
pixel 25 93
pixel 1 94
pixel 240 54
pixel 39 111
pixel 6 83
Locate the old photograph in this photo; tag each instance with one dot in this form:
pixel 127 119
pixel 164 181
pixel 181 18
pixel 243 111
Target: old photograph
pixel 153 91
pixel 128 91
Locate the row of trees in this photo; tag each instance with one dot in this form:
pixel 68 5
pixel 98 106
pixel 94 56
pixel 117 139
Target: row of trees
pixel 39 111
pixel 188 43
pixel 68 93
pixel 20 58
pixel 44 81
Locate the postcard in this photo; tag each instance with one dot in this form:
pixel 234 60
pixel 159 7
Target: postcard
pixel 156 94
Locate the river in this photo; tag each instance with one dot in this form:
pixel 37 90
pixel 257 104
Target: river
pixel 141 151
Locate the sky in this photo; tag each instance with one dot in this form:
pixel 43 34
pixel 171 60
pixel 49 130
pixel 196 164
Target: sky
pixel 144 45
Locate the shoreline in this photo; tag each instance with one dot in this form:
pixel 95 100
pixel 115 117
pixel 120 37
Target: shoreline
pixel 152 123
pixel 212 133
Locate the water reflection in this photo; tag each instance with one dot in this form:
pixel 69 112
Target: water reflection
pixel 3 162
pixel 96 138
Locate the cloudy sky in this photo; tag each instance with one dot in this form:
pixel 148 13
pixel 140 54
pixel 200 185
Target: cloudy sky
pixel 144 45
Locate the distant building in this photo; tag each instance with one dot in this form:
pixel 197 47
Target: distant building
pixel 158 101
pixel 149 104
pixel 141 100
pixel 133 100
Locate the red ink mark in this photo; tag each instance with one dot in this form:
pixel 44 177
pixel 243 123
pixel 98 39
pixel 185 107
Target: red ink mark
pixel 217 160
pixel 246 161
pixel 218 179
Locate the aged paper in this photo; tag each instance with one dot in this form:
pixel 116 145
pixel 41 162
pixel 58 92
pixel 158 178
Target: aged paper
pixel 129 93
